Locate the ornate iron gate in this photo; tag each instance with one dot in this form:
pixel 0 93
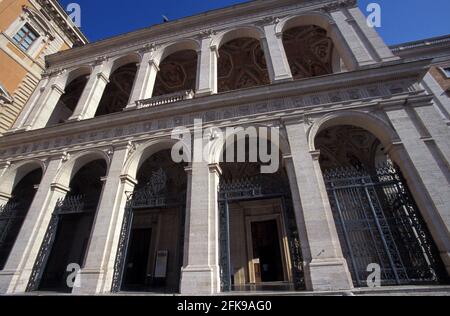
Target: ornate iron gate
pixel 258 188
pixel 75 204
pixel 378 222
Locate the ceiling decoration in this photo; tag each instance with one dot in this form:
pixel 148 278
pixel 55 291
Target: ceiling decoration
pixel 348 146
pixel 241 65
pixel 117 93
pixel 309 51
pixel 177 73
pixel 162 175
pixel 73 93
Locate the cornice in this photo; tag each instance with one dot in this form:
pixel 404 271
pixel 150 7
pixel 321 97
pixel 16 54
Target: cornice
pixel 259 96
pixel 189 27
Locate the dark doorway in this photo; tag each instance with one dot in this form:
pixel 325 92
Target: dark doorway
pixel 137 260
pixel 12 215
pixel 266 248
pixel 70 245
pixel 68 235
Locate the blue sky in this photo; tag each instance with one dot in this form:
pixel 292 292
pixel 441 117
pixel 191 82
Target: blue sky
pixel 402 20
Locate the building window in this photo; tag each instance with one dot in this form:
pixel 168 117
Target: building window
pixel 25 37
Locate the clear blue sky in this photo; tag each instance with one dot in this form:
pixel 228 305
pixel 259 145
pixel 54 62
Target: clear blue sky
pixel 402 20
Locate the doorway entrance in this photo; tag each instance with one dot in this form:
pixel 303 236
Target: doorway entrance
pixel 268 266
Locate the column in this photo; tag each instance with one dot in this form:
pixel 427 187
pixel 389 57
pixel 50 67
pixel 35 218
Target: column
pixel 207 68
pixel 30 105
pixel 42 110
pixel 14 278
pixel 434 127
pixel 145 80
pixel 92 93
pixel 370 36
pixel 442 102
pixel 432 172
pixel 200 272
pixel 277 61
pixel 326 268
pixel 344 34
pixel 101 255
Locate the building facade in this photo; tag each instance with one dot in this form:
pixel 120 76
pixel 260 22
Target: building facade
pixel 30 30
pixel 89 178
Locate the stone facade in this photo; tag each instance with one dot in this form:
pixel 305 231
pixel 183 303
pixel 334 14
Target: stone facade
pixel 22 67
pixel 367 87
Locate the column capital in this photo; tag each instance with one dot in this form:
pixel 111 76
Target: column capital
pixel 57 88
pixel 315 154
pixel 57 187
pixel 126 178
pixel 102 75
pixel 215 168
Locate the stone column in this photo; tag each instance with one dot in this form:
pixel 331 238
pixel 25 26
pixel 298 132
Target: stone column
pixel 277 61
pixel 370 38
pixel 327 268
pixel 45 105
pixel 345 34
pixel 31 104
pixel 200 273
pixel 442 102
pixel 92 94
pixel 101 257
pixel 207 68
pixel 432 171
pixel 14 278
pixel 434 128
pixel 145 80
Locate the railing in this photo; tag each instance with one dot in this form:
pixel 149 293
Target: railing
pixel 165 99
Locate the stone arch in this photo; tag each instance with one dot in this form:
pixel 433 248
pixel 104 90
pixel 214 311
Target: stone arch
pixel 178 67
pixel 219 145
pixel 171 48
pixel 17 172
pixel 120 61
pixel 75 163
pixel 375 125
pixel 325 22
pixel 73 74
pixel 235 33
pixel 361 161
pixel 146 150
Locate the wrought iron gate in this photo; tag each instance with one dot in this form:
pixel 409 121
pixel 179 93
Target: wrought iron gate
pixel 378 222
pixel 70 205
pixel 258 188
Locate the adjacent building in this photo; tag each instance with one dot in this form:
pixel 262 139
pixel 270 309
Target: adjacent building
pixel 30 30
pixel 120 163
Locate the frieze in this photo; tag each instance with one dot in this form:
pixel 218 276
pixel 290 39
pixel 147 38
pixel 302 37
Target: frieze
pixel 164 125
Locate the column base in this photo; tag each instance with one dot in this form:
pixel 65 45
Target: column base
pixel 328 275
pixel 445 256
pixel 6 279
pixel 199 280
pixel 89 281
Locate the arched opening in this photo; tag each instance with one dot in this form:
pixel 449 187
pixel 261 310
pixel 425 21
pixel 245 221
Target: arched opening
pixel 177 73
pixel 377 219
pixel 310 51
pixel 117 92
pixel 260 249
pixel 68 101
pixel 241 64
pixel 69 231
pixel 12 214
pixel 151 248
